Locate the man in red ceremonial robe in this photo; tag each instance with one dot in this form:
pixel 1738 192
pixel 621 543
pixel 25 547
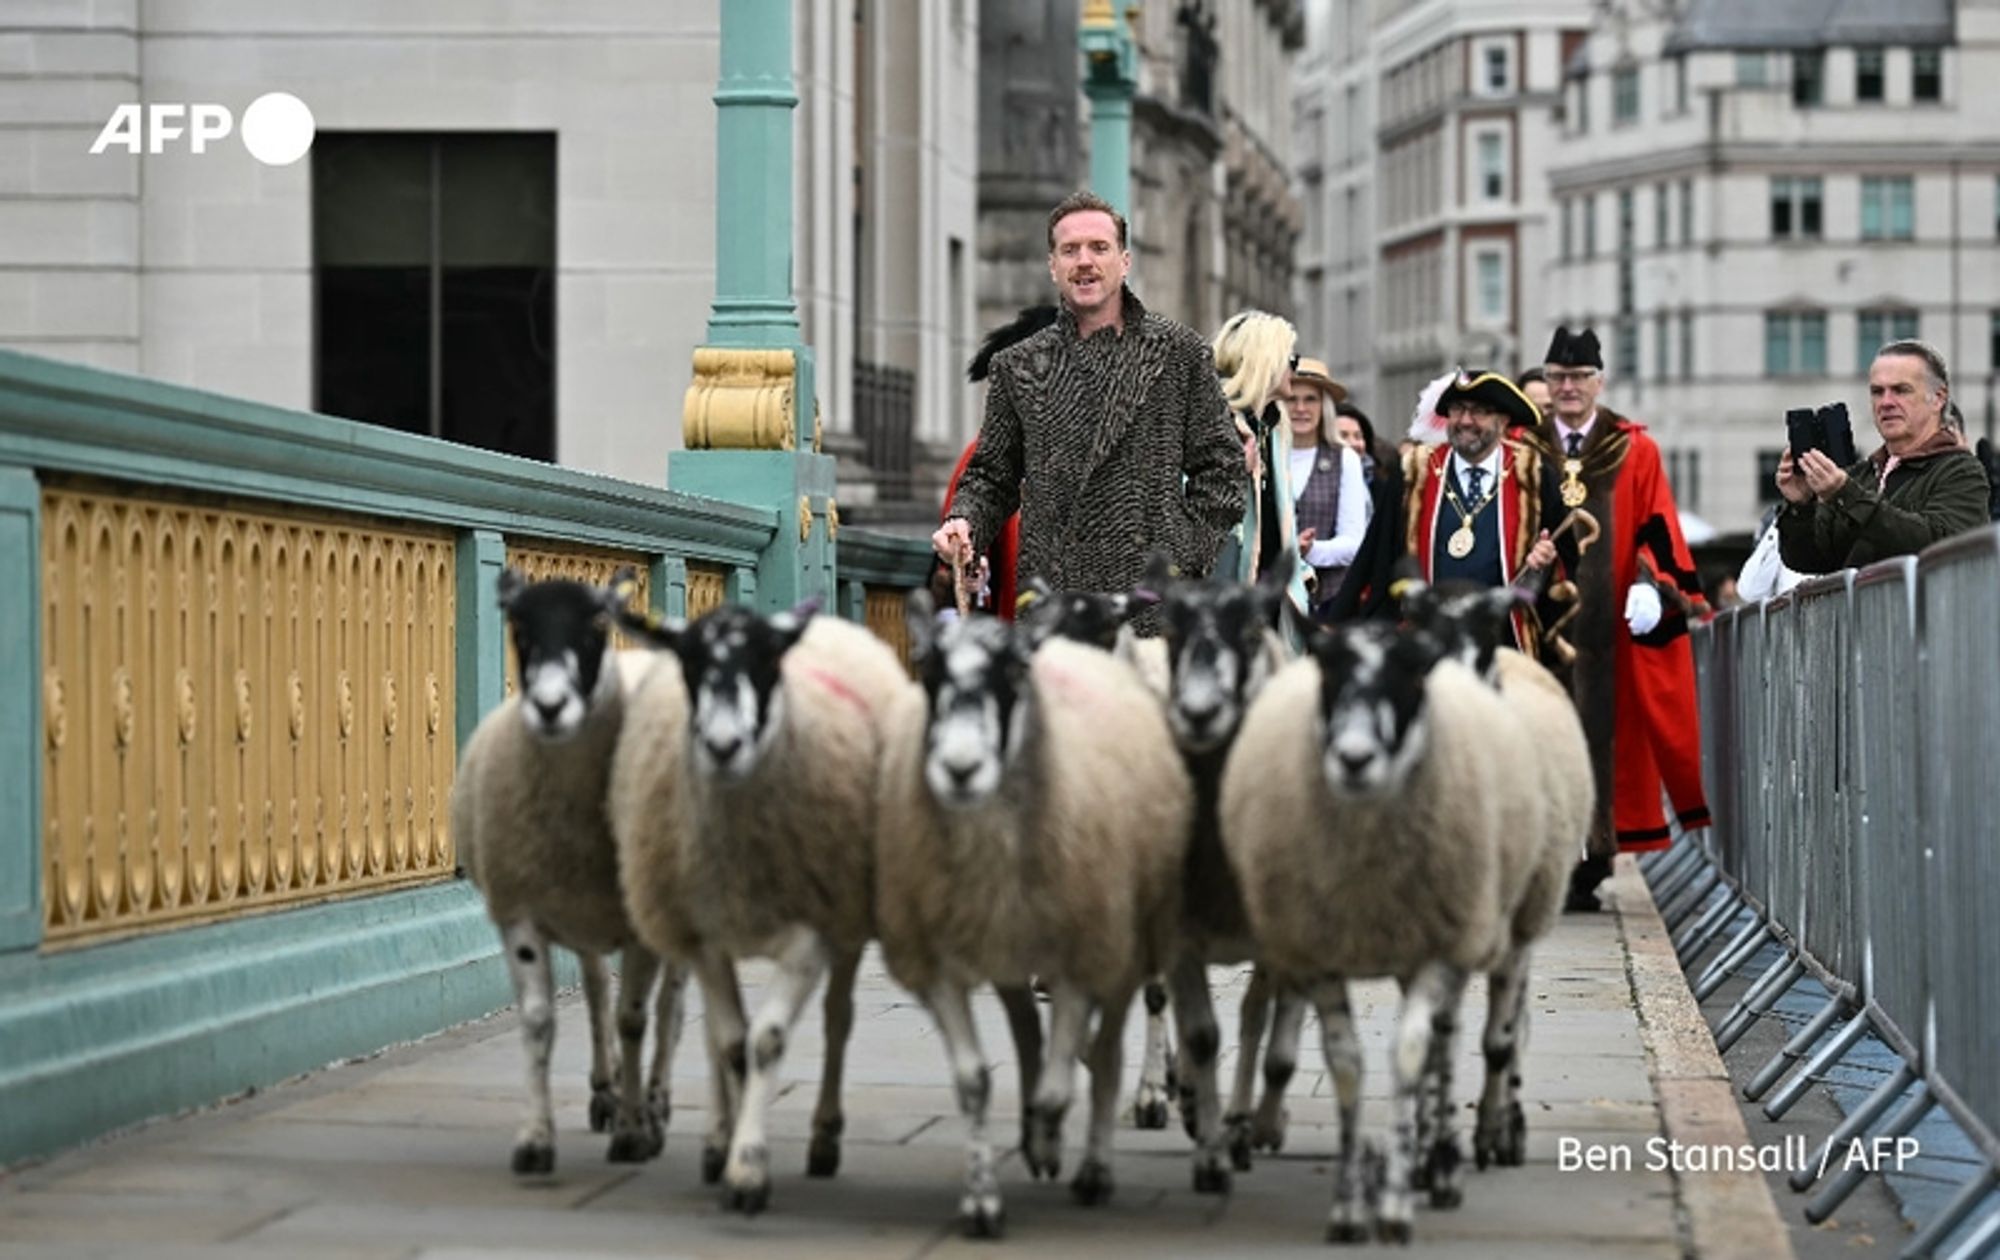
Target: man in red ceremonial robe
pixel 1633 676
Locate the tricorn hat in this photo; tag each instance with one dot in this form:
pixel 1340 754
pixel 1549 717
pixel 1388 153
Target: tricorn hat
pixel 1578 350
pixel 1490 389
pixel 1314 372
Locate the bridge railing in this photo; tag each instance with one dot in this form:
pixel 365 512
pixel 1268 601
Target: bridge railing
pixel 242 648
pixel 1847 736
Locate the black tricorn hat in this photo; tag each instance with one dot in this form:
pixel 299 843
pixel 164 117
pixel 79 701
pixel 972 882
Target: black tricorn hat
pixel 1490 389
pixel 1580 350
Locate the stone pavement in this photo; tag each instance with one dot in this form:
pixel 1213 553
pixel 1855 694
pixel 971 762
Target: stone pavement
pixel 405 1155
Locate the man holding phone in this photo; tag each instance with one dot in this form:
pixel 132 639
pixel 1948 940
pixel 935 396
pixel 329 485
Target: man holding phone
pixel 1920 486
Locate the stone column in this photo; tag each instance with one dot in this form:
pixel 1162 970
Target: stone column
pixel 750 418
pixel 1110 78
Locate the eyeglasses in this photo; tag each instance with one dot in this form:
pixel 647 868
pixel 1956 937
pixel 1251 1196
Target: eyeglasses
pixel 1557 377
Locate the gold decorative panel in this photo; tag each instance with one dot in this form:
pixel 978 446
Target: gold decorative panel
pixel 243 710
pixel 708 588
pixel 539 562
pixel 882 609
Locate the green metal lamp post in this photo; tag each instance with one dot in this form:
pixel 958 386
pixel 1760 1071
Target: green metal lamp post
pixel 1110 79
pixel 750 422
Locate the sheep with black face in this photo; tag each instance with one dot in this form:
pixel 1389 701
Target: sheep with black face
pixel 1474 624
pixel 527 815
pixel 1362 809
pixel 743 802
pixel 1034 822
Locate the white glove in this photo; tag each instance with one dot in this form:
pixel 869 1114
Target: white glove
pixel 1642 607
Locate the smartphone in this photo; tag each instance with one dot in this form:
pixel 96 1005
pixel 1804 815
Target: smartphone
pixel 1836 435
pixel 1802 429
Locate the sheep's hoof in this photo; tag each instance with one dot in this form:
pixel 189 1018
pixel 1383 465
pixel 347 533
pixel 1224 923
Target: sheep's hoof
pixel 1268 1133
pixel 713 1158
pixel 823 1155
pixel 1150 1112
pixel 534 1158
pixel 636 1146
pixel 1397 1232
pixel 1211 1178
pixel 1092 1185
pixel 1173 1073
pixel 1237 1127
pixel 661 1105
pixel 1185 1092
pixel 980 1216
pixel 1343 1233
pixel 749 1200
pixel 1513 1150
pixel 1042 1148
pixel 603 1108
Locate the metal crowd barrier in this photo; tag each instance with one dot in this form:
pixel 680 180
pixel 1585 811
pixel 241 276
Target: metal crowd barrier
pixel 1846 737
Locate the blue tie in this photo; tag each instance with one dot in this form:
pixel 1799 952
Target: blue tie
pixel 1472 476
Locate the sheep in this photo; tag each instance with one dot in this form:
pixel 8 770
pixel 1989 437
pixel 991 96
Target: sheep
pixel 527 815
pixel 1363 810
pixel 1034 821
pixel 745 823
pixel 1223 645
pixel 1474 623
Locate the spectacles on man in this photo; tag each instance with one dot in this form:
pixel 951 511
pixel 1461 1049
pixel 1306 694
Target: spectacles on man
pixel 1558 377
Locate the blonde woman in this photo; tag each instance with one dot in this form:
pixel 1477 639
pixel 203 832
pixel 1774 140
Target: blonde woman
pixel 1254 355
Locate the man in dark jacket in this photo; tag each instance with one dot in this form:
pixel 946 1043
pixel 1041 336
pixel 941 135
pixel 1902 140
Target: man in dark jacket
pixel 1107 430
pixel 1921 486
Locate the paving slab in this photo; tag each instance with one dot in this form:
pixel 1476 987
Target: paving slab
pixel 405 1155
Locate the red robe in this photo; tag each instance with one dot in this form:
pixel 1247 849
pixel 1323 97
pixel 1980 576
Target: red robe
pixel 1654 728
pixel 1424 473
pixel 1003 557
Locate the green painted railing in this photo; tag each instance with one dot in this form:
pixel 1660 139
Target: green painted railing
pixel 97 1035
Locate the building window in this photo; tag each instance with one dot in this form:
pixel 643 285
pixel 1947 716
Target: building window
pixel 1867 74
pixel 1680 84
pixel 1625 95
pixel 1495 70
pixel 1876 329
pixel 1492 166
pixel 1692 499
pixel 1795 343
pixel 1993 342
pixel 1684 475
pixel 1750 70
pixel 434 279
pixel 1660 207
pixel 1888 208
pixel 1626 231
pixel 1588 207
pixel 1808 75
pixel 1568 213
pixel 1625 358
pixel 1625 286
pixel 1687 212
pixel 1660 365
pixel 1687 345
pixel 1795 207
pixel 1927 74
pixel 1490 273
pixel 1583 103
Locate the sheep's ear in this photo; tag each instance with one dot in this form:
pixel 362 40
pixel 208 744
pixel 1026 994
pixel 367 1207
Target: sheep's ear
pixel 920 617
pixel 1144 596
pixel 511 586
pixel 649 628
pixel 1160 573
pixel 1124 607
pixel 1419 650
pixel 1319 639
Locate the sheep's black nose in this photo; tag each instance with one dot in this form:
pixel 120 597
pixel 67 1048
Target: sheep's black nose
pixel 1200 719
pixel 960 775
pixel 724 749
pixel 549 710
pixel 1354 763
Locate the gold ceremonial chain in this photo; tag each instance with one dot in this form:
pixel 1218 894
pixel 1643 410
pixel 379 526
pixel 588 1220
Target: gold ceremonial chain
pixel 1459 545
pixel 1573 491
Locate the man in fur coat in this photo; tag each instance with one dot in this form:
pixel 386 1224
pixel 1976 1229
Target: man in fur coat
pixel 1633 674
pixel 1106 429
